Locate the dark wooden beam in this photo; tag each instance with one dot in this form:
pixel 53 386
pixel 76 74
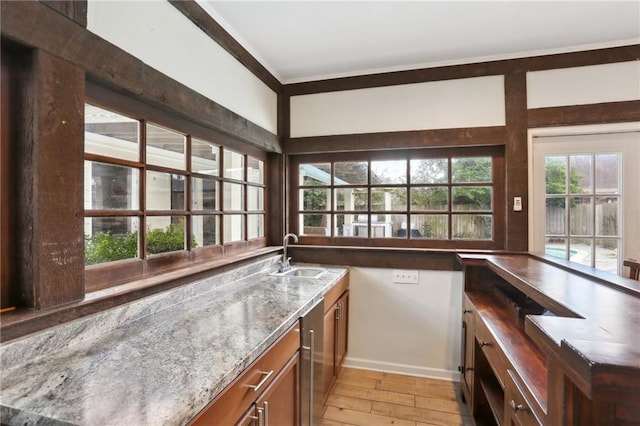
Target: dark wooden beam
pixel 438 138
pixel 51 203
pixel 206 23
pixel 608 112
pixel 34 24
pixel 516 182
pixel 76 10
pixel 372 257
pixel 275 225
pixel 535 63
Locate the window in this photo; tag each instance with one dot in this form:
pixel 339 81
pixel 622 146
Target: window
pixel 148 186
pixel 418 198
pixel 582 207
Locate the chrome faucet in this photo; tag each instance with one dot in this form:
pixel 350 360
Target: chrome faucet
pixel 284 263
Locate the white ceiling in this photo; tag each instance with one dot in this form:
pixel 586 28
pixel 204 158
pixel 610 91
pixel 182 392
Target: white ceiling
pixel 310 40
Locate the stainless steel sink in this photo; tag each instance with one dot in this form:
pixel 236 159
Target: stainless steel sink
pixel 302 272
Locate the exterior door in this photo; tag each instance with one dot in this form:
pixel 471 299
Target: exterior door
pixel 585 203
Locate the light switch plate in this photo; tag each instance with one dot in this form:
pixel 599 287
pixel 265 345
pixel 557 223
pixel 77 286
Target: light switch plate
pixel 517 204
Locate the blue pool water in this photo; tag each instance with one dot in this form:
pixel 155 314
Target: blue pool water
pixel 558 252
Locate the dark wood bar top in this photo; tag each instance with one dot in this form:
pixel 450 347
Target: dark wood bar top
pixel 591 325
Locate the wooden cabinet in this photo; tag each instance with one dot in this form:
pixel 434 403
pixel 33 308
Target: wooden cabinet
pixel 544 343
pixel 336 320
pixel 278 405
pixel 266 391
pixel 517 408
pixel 342 330
pixel 466 366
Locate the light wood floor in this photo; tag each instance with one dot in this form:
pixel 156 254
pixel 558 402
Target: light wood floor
pixel 371 398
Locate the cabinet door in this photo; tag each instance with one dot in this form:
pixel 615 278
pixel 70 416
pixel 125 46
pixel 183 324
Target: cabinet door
pixel 466 369
pixel 250 418
pixel 342 331
pixel 329 343
pixel 279 403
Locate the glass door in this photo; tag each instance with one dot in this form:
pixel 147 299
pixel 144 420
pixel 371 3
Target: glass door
pixel 584 206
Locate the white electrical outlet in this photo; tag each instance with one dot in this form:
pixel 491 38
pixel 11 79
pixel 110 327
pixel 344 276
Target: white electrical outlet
pixel 401 276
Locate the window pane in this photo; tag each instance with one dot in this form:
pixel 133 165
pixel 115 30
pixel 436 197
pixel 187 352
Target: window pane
pixel 389 226
pixel 255 198
pixel 472 169
pixel 607 174
pixel 388 172
pixel 205 230
pixel 165 191
pixel 255 170
pixel 430 226
pixel 205 157
pixel 255 226
pixel 580 251
pixel 471 227
pixel 318 174
pixel 580 174
pixel 607 216
pixel 434 170
pixel 556 217
pixel 233 227
pixel 233 196
pixel 386 199
pixel 351 199
pixel 233 165
pixel 430 198
pixel 110 134
pixel 352 225
pixel 165 147
pixel 107 239
pixel 470 198
pixel 555 175
pixel 204 194
pixel 351 173
pixel 315 224
pixel 556 247
pixel 110 187
pixel 607 254
pixel 165 234
pixel 581 215
pixel 315 199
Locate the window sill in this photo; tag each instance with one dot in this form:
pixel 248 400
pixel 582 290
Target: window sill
pixel 22 321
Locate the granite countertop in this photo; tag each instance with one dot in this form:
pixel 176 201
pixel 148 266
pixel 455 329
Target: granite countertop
pixel 156 361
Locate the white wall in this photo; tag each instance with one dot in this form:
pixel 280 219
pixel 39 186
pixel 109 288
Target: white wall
pixel 584 85
pixel 405 328
pixel 467 102
pixel 163 38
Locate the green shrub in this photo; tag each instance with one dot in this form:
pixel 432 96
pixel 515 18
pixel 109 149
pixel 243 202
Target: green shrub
pixel 169 239
pixel 103 247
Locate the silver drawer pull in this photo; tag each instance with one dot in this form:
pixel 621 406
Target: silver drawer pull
pixel 517 407
pixel 484 343
pixel 265 377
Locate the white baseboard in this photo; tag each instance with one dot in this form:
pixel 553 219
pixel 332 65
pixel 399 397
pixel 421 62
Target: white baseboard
pixel 410 370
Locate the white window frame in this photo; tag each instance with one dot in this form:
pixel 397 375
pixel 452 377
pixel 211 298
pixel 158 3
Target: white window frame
pixel 630 205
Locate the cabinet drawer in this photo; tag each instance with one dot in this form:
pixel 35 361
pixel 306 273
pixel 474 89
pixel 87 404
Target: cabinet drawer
pixel 497 360
pixel 517 409
pixel 238 397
